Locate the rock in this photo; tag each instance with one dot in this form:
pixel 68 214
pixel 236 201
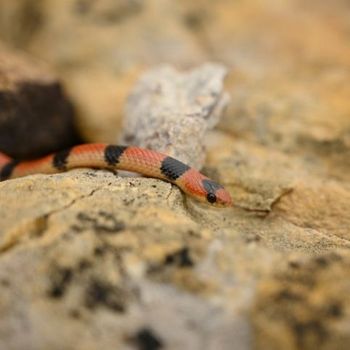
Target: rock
pixel 305 303
pixel 91 260
pixel 35 115
pixel 98 49
pixel 116 253
pixel 276 99
pixel 127 257
pixel 172 112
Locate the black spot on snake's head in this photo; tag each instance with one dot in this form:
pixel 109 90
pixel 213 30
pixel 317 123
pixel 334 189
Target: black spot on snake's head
pixel 216 194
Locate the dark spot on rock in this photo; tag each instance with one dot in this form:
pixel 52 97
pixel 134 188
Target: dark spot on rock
pixel 75 314
pixel 84 217
pixel 91 174
pixel 146 339
pixel 102 293
pixel 82 7
pixel 111 224
pixel 180 258
pixel 4 282
pixel 294 264
pixel 252 238
pixel 303 330
pixel 100 250
pixel 334 310
pixel 194 233
pixel 60 279
pixel 84 264
pixel 76 228
pixel 193 20
pixel 129 138
pixel 327 259
pixel 128 201
pixel 321 261
pixel 103 222
pixel 116 13
pixel 288 295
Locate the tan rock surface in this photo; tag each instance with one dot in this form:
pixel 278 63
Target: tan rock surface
pixel 117 260
pixel 306 304
pixel 90 260
pixel 109 254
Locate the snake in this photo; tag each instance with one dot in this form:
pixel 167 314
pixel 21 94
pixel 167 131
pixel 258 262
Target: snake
pixel 144 161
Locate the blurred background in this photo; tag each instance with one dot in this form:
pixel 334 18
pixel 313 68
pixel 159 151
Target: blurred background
pixel 289 61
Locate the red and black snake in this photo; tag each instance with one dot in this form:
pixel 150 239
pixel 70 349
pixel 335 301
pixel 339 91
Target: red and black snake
pixel 146 162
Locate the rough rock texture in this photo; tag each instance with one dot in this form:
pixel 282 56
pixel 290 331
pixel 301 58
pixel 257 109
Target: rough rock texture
pixel 306 304
pixel 117 260
pixel 90 260
pixel 33 108
pixel 172 112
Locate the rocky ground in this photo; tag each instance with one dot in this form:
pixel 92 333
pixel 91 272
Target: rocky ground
pixel 90 259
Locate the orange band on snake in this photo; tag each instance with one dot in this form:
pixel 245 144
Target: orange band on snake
pixel 135 159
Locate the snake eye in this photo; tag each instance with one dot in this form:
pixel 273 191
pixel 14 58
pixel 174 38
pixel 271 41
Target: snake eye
pixel 211 198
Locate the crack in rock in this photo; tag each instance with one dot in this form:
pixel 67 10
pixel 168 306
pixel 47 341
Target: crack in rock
pixel 36 227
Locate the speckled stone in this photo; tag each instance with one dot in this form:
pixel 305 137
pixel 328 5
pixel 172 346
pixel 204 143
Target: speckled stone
pixel 172 111
pixel 90 260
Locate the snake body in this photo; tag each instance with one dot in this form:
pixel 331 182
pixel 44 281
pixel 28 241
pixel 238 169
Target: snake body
pixel 144 161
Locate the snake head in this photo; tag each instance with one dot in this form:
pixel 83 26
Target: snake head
pixel 216 194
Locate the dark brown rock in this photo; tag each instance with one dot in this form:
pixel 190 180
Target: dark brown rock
pixel 35 115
